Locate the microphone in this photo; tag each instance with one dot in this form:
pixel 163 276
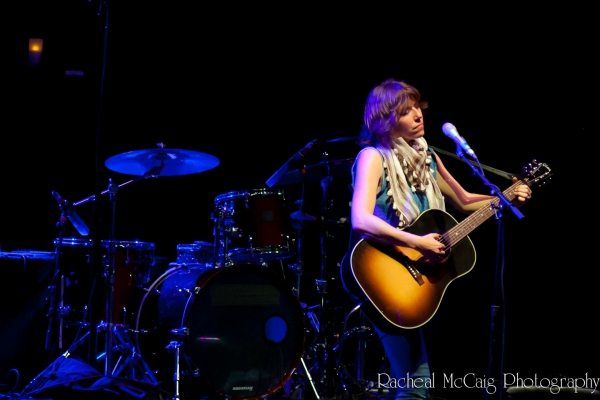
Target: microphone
pixel 69 211
pixel 450 131
pixel 304 150
pixel 285 167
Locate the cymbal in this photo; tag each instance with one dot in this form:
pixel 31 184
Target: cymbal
pixel 344 139
pixel 315 172
pixel 161 162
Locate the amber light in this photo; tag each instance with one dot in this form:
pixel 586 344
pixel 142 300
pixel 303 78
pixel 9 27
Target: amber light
pixel 35 50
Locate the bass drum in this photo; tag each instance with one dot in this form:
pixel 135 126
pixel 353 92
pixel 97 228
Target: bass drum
pixel 239 329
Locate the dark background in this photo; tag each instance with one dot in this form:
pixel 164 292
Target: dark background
pixel 252 86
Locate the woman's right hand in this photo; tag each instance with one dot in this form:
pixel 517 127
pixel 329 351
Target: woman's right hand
pixel 430 246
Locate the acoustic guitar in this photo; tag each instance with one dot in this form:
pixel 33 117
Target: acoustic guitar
pixel 404 286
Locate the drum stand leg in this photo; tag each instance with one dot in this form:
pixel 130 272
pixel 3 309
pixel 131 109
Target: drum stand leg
pixel 310 379
pixel 129 362
pixel 175 347
pixel 299 384
pixel 358 375
pixel 317 358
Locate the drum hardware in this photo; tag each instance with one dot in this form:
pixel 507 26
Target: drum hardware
pixel 174 347
pixel 67 212
pixel 296 387
pixel 365 368
pixel 322 344
pixel 63 311
pixel 197 252
pixel 349 374
pixel 117 338
pixel 129 362
pixel 223 231
pixel 60 311
pixel 323 172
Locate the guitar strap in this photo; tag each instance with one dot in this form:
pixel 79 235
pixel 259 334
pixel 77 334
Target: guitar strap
pixel 487 168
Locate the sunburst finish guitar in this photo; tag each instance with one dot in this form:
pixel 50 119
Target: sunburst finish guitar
pixel 401 284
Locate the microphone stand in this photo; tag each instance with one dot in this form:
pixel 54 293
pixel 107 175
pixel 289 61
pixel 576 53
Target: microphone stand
pixel 495 307
pixel 286 166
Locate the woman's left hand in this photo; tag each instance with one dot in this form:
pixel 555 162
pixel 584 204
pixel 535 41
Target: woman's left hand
pixel 522 194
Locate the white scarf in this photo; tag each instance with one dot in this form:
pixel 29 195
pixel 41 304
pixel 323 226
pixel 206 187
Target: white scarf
pixel 409 170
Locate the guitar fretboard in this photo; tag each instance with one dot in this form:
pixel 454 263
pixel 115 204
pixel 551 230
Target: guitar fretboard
pixel 455 234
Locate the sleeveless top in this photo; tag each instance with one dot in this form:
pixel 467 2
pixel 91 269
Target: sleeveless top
pixel 383 206
pixel 384 210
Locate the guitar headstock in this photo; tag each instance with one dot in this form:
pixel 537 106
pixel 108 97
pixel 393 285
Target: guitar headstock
pixel 536 173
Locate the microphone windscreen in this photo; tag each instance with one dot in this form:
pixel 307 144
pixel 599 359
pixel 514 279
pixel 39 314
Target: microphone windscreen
pixel 448 129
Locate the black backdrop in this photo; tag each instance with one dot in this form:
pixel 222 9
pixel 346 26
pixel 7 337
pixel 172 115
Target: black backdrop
pixel 253 86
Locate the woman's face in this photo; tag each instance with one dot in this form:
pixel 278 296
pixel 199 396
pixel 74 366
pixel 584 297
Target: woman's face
pixel 409 124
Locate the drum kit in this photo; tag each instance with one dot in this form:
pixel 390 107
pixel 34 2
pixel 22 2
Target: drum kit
pixel 220 318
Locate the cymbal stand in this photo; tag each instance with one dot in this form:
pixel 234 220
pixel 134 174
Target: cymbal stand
pixel 117 337
pixel 110 279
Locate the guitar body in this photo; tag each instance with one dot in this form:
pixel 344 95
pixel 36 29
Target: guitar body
pixel 404 287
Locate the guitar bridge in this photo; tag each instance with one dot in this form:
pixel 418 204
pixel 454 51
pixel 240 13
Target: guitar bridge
pixel 413 271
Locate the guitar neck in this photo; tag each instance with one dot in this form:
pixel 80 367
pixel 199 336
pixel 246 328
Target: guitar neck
pixel 458 232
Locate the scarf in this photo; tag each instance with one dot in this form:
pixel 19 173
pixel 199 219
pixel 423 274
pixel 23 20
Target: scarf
pixel 408 168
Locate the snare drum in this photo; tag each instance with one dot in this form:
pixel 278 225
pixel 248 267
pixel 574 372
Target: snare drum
pixel 261 225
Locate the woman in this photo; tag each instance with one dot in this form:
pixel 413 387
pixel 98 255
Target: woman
pixel 396 177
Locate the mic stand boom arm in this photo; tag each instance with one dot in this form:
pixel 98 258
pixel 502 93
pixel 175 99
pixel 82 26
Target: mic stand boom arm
pixel 285 167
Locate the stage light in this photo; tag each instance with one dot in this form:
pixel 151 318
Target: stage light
pixel 35 50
